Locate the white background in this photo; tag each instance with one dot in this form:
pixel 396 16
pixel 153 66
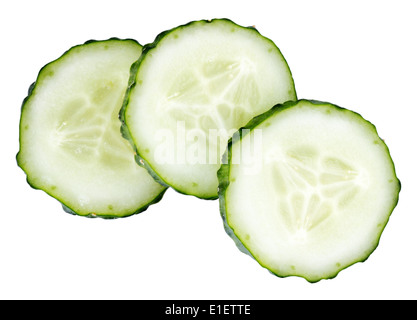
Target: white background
pixel 360 55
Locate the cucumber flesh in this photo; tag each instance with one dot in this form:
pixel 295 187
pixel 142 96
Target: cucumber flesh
pixel 191 89
pixel 70 141
pixel 315 197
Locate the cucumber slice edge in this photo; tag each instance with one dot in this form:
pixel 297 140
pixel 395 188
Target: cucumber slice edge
pixel 42 73
pixel 224 182
pixel 147 49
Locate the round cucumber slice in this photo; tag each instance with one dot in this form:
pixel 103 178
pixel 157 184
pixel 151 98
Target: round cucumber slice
pixel 315 193
pixel 191 89
pixel 70 141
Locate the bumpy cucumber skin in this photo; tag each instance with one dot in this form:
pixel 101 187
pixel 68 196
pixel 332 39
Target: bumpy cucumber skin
pixel 112 216
pixel 20 163
pixel 223 175
pixel 132 83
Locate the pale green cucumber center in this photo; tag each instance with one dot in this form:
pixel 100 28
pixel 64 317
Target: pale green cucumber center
pixel 88 128
pixel 213 100
pixel 311 187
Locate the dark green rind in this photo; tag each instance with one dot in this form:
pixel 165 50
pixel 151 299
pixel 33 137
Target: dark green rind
pixel 20 162
pixel 110 216
pixel 141 160
pixel 124 129
pixel 223 175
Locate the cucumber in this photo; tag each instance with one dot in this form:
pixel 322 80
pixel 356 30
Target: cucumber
pixel 71 146
pixel 312 194
pixel 190 90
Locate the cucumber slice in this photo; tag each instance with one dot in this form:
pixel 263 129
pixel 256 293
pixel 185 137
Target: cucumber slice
pixel 70 141
pixel 315 193
pixel 191 89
